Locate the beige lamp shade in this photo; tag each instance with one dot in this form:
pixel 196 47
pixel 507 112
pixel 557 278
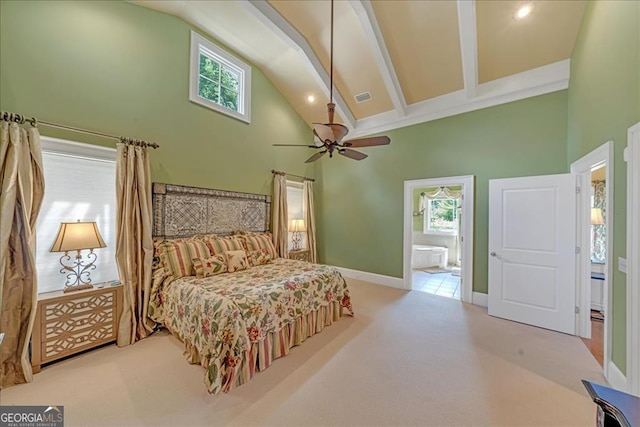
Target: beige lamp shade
pixel 74 236
pixel 297 225
pixel 596 216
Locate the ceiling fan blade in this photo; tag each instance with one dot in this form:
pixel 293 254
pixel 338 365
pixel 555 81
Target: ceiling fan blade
pixel 316 156
pixel 323 132
pixel 294 145
pixel 316 140
pixel 352 154
pixel 368 142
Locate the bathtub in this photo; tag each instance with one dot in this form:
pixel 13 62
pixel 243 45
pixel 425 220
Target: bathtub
pixel 424 256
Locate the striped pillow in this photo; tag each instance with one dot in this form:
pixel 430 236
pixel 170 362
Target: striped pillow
pixel 176 259
pixel 177 255
pixel 219 245
pixel 261 242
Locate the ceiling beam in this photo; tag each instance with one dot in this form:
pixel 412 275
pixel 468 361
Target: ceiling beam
pixel 468 46
pixel 280 26
pixel 369 23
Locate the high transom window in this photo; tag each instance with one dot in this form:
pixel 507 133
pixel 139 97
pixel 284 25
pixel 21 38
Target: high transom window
pixel 219 80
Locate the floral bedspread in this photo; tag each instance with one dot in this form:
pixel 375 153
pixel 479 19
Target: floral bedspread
pixel 219 317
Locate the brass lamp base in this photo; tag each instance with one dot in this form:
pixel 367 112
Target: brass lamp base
pixel 77 287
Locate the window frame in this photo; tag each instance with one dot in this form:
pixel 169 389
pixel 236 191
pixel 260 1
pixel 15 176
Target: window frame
pixel 79 150
pixel 427 219
pixel 298 187
pixel 198 44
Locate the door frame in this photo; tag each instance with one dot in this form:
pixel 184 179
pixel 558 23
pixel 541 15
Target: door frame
pixel 632 157
pixel 468 190
pixel 601 156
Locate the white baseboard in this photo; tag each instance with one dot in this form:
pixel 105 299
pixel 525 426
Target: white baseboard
pixel 616 378
pixel 480 299
pixel 378 279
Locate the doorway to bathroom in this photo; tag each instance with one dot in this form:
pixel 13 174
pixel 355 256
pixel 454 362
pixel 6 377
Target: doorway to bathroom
pixel 438 236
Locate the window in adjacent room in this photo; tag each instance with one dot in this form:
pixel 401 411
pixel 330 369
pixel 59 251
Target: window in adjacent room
pixel 80 184
pixel 295 209
pixel 219 80
pixel 442 216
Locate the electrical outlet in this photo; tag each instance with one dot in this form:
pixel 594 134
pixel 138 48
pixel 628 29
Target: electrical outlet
pixel 622 264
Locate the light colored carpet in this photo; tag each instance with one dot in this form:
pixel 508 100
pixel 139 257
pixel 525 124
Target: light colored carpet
pixel 406 358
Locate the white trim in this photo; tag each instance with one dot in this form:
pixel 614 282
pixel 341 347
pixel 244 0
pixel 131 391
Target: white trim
pixel 378 279
pixel 468 206
pixel 77 149
pixel 582 167
pixel 468 45
pixel 632 156
pixel 374 36
pixel 539 81
pixel 616 378
pixel 199 43
pixel 269 16
pixel 480 299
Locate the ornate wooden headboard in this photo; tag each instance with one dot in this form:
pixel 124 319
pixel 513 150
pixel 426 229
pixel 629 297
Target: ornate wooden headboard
pixel 180 211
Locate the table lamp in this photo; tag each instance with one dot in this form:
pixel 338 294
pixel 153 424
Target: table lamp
pixel 77 236
pixel 297 226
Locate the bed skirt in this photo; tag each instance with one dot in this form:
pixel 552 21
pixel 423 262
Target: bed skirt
pixel 262 353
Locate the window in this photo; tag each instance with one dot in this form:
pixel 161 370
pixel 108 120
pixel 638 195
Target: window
pixel 219 80
pixel 442 216
pixel 295 209
pixel 79 184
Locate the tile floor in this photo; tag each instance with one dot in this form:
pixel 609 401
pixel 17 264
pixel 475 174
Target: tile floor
pixel 443 284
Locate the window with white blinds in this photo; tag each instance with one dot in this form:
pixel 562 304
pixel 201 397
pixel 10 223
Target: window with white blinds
pixel 295 209
pixel 79 185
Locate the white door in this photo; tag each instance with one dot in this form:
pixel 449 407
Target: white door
pixel 532 244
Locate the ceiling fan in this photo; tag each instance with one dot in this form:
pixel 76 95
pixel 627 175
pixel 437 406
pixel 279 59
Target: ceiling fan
pixel 328 136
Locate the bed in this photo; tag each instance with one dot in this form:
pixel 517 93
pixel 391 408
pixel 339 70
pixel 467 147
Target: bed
pixel 228 298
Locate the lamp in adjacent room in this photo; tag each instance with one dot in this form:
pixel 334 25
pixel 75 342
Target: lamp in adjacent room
pixel 596 216
pixel 296 227
pixel 77 236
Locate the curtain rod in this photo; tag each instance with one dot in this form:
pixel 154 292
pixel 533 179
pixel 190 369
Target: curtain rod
pixel 306 178
pixel 20 119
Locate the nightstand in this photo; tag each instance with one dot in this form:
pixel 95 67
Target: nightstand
pixel 300 255
pixel 68 323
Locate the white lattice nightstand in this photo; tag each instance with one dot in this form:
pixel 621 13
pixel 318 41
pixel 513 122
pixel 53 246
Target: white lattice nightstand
pixel 68 323
pixel 300 254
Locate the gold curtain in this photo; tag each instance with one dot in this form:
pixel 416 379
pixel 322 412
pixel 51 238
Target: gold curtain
pixel 309 218
pixel 280 215
pixel 134 244
pixel 20 202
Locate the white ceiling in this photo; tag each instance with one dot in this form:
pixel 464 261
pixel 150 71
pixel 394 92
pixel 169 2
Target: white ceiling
pixel 419 60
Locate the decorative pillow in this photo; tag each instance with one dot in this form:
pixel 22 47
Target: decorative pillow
pixel 236 260
pixel 176 259
pixel 212 266
pixel 177 255
pixel 198 249
pixel 219 245
pixel 258 258
pixel 261 242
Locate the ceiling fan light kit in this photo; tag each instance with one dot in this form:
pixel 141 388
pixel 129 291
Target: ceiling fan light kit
pixel 328 136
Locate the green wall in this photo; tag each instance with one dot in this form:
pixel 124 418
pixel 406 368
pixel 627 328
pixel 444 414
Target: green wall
pixel 603 102
pixel 360 204
pixel 122 69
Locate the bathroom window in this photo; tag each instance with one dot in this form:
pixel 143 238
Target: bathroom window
pixel 441 217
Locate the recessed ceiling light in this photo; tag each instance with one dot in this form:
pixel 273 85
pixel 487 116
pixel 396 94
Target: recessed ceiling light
pixel 311 99
pixel 524 11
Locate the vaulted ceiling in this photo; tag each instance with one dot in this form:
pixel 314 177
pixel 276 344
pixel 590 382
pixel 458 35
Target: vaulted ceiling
pixel 417 60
